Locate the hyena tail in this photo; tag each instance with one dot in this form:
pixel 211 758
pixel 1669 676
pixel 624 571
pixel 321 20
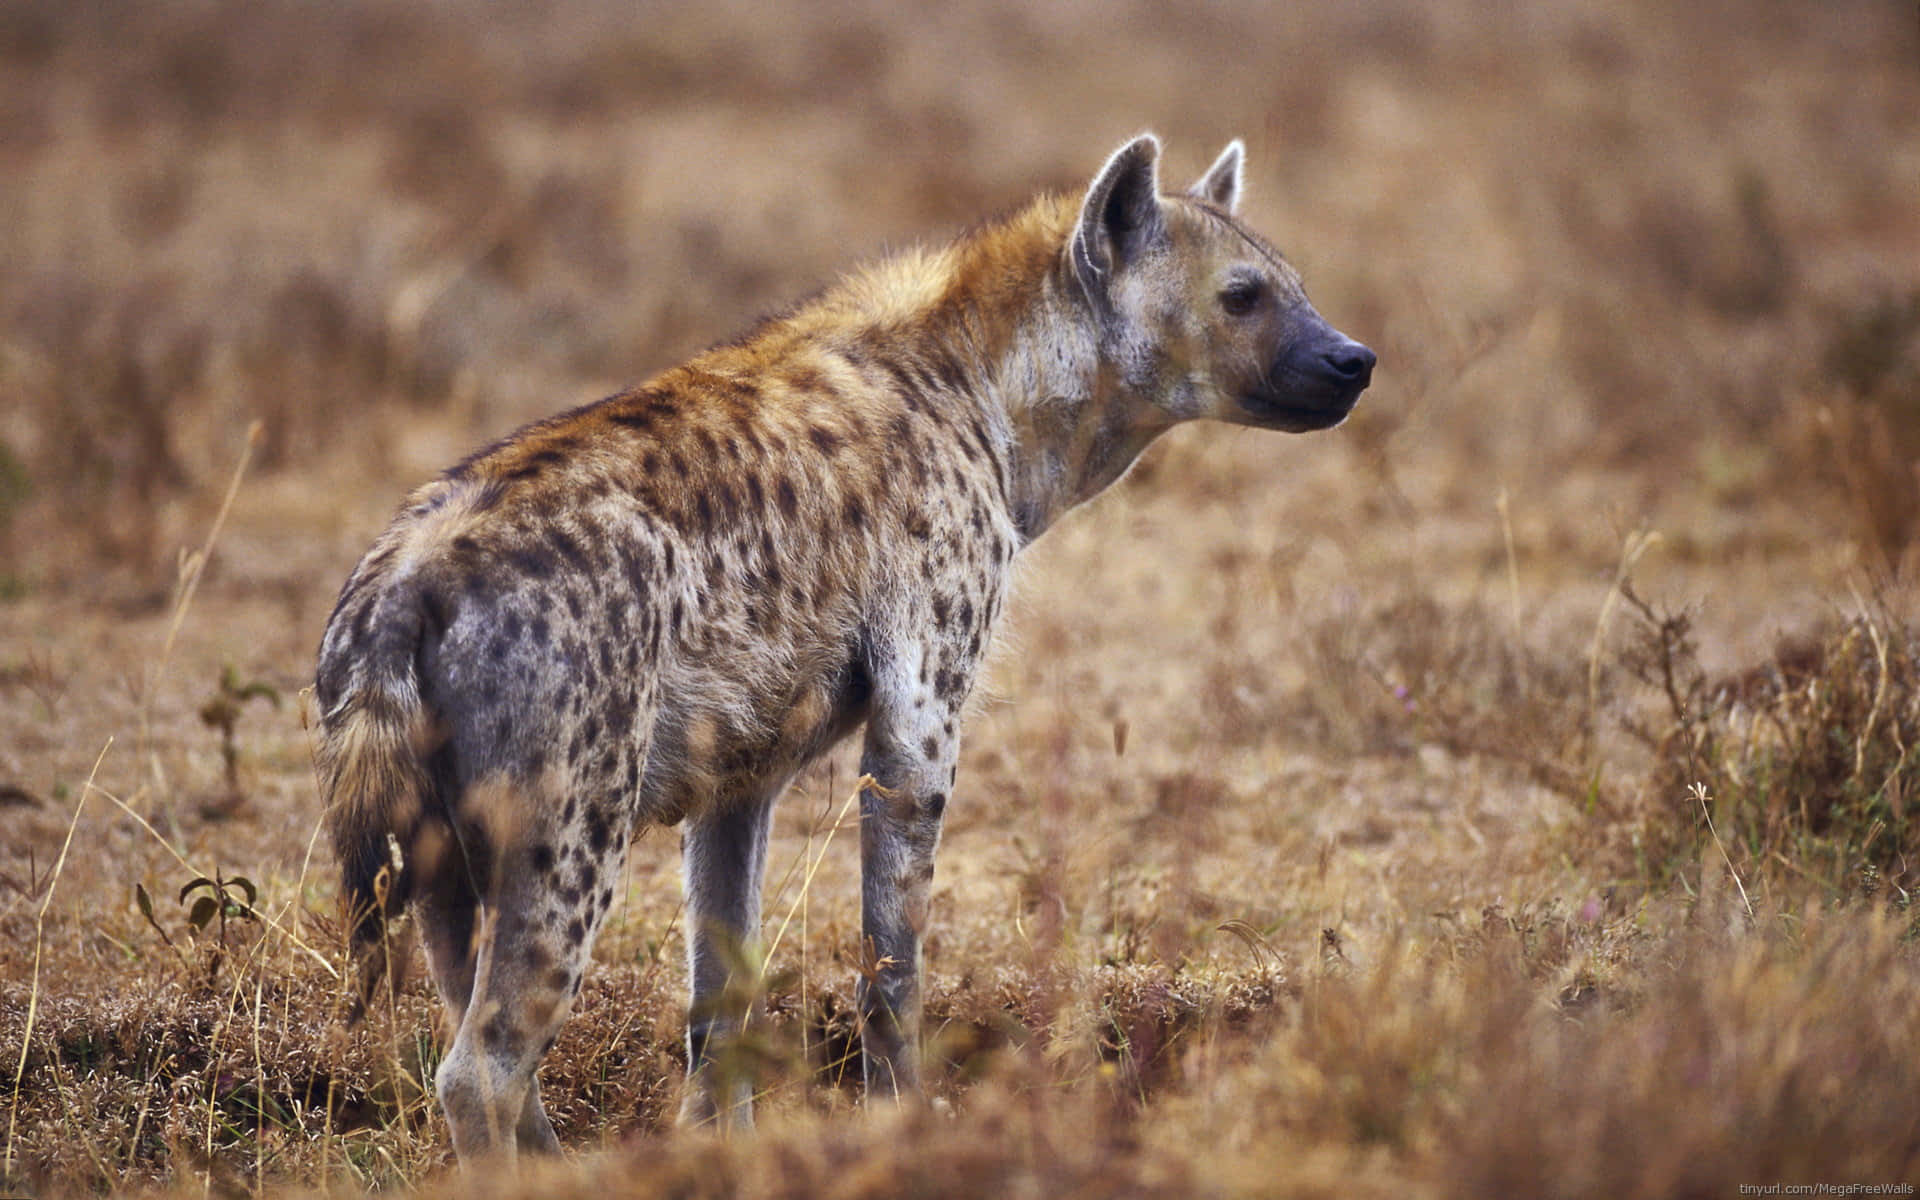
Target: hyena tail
pixel 377 788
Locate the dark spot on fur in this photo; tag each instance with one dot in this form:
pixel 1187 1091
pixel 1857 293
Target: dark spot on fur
pixel 950 371
pixel 533 562
pixel 926 378
pixel 905 385
pixel 936 804
pixel 487 497
pixel 499 647
pixel 788 498
pixel 499 1029
pixel 566 547
pixel 826 439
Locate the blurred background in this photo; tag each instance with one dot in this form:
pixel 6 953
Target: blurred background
pixel 1675 245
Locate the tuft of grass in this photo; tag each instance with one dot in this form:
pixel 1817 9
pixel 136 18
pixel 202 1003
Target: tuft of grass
pixel 1811 757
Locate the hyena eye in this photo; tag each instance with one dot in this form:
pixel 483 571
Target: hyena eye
pixel 1242 296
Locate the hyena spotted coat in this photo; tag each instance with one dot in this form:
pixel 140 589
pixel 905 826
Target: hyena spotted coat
pixel 658 607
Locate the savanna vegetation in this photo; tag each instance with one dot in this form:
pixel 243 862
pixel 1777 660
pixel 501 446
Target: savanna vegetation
pixel 1510 793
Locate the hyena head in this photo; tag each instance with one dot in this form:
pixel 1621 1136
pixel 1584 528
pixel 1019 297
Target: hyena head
pixel 1198 316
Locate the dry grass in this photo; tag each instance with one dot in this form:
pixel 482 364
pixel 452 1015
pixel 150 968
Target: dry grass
pixel 1329 824
pixel 1811 758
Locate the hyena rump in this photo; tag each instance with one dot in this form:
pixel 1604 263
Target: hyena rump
pixel 658 607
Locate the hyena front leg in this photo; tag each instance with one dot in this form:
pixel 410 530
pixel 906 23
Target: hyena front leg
pixel 724 854
pixel 910 752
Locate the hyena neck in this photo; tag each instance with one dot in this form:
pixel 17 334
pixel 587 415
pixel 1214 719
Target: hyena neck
pixel 1030 347
pixel 1074 429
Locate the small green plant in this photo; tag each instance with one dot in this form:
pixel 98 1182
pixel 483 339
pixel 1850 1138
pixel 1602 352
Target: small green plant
pixel 222 713
pixel 219 902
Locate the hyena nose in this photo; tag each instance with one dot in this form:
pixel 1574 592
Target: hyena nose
pixel 1350 362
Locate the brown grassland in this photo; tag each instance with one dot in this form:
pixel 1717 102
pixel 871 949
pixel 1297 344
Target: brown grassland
pixel 1511 793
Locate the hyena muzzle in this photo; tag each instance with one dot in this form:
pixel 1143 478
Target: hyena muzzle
pixel 659 607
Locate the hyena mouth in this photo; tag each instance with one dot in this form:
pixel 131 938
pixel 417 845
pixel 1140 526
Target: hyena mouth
pixel 1288 413
pixel 1314 384
pixel 1296 419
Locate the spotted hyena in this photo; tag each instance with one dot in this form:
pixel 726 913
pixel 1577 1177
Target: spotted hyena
pixel 658 607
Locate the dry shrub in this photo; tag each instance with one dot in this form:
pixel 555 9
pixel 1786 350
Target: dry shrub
pixel 1810 758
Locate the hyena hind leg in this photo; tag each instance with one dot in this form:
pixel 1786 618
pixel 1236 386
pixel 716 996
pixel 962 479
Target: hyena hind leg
pixel 531 946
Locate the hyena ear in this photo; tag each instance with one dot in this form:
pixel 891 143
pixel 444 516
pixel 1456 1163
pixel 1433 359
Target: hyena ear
pixel 1220 186
pixel 1120 214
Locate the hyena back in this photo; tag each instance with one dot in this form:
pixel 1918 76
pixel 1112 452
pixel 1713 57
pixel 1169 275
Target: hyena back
pixel 657 608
